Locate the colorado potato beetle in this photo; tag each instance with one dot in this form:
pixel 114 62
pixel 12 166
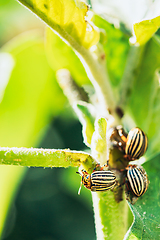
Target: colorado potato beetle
pixel 136 143
pixel 98 180
pixel 137 180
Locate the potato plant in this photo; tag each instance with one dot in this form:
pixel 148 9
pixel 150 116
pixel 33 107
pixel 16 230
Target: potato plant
pixel 104 61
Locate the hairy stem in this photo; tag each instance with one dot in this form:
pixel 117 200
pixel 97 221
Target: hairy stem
pixel 44 157
pixel 73 92
pixel 98 76
pixel 111 218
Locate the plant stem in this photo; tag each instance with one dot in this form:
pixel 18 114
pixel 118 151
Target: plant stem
pixel 98 76
pixel 44 157
pixel 73 92
pixel 111 218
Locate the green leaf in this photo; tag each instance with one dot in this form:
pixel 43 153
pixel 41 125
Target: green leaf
pixel 146 224
pixel 67 18
pixel 116 46
pixel 99 141
pixel 44 157
pixel 86 114
pixel 31 94
pixel 141 103
pixel 144 103
pixel 60 55
pixel 145 29
pixel 154 125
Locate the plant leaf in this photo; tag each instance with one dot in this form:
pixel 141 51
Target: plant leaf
pixel 27 101
pixel 145 29
pixel 146 94
pixel 145 87
pixel 44 157
pixel 67 18
pixel 99 142
pixel 116 46
pixel 146 210
pixel 60 55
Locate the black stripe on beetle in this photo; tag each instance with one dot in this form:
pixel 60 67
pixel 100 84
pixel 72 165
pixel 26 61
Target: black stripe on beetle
pixel 137 180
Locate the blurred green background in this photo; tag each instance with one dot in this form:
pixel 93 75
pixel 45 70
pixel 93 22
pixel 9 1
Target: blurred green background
pixel 47 205
pixel 34 113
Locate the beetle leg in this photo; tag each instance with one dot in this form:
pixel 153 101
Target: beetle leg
pixel 97 166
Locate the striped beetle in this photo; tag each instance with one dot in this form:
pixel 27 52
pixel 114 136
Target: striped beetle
pixel 102 180
pixel 137 180
pixel 136 143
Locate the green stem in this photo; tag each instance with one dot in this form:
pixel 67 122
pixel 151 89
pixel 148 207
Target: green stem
pixel 111 218
pixel 98 76
pixel 44 157
pixel 73 92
